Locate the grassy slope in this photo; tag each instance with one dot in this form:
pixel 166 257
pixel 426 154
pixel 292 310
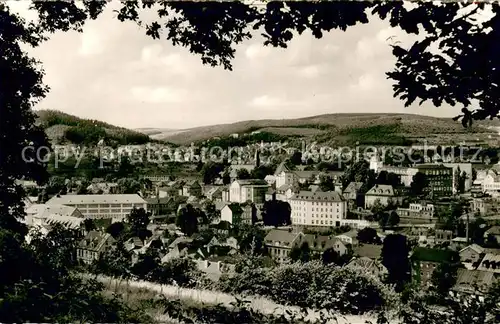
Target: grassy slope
pixel 333 125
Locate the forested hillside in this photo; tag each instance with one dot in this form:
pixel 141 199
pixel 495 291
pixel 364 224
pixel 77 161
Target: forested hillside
pixel 65 128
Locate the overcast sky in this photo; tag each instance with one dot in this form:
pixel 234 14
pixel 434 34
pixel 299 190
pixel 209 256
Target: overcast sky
pixel 115 73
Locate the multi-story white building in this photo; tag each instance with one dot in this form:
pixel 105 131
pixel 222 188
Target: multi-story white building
pixel 491 183
pixel 116 207
pixel 318 208
pixel 252 190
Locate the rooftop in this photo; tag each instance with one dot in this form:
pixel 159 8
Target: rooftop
pixel 96 199
pixel 276 235
pixel 252 182
pixel 318 196
pixel 381 190
pixel 433 255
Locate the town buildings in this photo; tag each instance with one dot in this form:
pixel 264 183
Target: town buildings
pixel 93 246
pixel 384 194
pixel 239 213
pixel 279 243
pixel 439 178
pixel 318 208
pixel 417 213
pixel 252 190
pixel 115 207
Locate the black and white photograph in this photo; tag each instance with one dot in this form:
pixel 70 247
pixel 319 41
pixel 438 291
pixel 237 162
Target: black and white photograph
pixel 285 162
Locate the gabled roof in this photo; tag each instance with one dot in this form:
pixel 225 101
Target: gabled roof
pixel 192 183
pixel 235 208
pixel 476 248
pixel 352 234
pixel 353 187
pixel 314 188
pixel 45 210
pixel 366 264
pixel 320 242
pixel 252 182
pixel 220 204
pixel 281 167
pixel 494 230
pixel 214 190
pixel 179 240
pixel 276 235
pixel 95 240
pixel 318 196
pixel 381 190
pixel 371 251
pixel 468 280
pixel 490 261
pixel 67 221
pixel 284 187
pixel 306 174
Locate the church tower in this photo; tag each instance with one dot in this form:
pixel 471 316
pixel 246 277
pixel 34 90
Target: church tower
pixel 257 158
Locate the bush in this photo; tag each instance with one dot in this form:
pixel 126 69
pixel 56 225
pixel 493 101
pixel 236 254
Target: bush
pixel 312 285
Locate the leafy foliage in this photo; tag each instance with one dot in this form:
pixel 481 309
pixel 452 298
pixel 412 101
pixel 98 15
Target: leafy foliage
pixel 276 213
pixel 187 219
pixel 311 285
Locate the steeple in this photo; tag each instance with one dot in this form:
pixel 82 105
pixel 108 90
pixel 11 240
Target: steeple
pixel 257 159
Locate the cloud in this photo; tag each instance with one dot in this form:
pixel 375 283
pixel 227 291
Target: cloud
pixel 267 101
pixel 91 44
pixel 310 72
pixel 151 53
pixel 257 51
pixel 158 95
pixel 131 80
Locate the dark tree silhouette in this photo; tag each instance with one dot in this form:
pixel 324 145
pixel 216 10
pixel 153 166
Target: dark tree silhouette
pixel 211 171
pixel 138 219
pixel 326 183
pixel 116 229
pixel 243 174
pixel 296 158
pixel 276 213
pixel 419 183
pixel 261 172
pixel 395 258
pixel 187 220
pixel 330 256
pixel 368 235
pixel 88 225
